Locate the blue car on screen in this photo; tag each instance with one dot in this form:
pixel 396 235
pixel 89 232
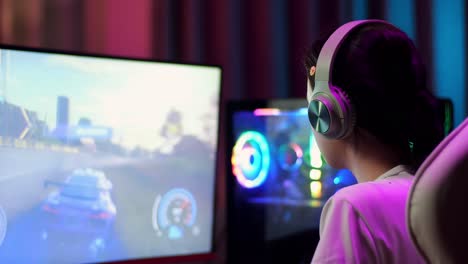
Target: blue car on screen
pixel 80 209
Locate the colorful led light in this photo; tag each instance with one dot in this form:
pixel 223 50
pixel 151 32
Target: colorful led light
pixel 344 177
pixel 251 159
pixel 298 153
pixel 315 203
pixel 315 174
pixel 315 155
pixel 266 111
pixel 277 111
pixel 316 189
pixel 297 149
pixel 337 180
pixel 302 111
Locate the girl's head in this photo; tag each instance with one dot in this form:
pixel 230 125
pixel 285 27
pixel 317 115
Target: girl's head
pixel 379 68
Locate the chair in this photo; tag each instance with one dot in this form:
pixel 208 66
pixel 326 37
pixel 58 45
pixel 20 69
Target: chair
pixel 437 206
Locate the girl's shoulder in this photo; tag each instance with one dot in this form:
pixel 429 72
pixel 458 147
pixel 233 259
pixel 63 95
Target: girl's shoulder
pixel 375 193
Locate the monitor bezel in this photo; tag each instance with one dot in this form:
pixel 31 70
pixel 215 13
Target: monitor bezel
pixel 196 256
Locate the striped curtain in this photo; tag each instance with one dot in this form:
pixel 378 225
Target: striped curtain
pixel 259 43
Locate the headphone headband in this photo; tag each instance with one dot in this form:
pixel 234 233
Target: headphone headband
pixel 331 46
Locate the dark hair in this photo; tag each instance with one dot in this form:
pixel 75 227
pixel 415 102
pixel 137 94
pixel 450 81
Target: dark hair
pixel 380 69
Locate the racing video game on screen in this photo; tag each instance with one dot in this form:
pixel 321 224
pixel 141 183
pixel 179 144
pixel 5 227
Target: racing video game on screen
pixel 105 159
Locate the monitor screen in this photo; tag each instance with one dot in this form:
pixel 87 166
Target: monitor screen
pixel 104 158
pixel 277 182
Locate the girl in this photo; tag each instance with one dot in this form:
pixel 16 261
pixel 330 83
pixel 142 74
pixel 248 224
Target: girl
pixel 373 114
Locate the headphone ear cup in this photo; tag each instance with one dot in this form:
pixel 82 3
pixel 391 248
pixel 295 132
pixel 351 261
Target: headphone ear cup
pixel 344 111
pixel 319 114
pixel 332 115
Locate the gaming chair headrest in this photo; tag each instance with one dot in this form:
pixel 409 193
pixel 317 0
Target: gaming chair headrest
pixel 437 203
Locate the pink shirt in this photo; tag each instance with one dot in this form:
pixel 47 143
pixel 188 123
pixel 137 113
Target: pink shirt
pixel 365 223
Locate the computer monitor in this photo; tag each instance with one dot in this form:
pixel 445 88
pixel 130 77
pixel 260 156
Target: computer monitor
pixel 277 182
pixel 105 159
